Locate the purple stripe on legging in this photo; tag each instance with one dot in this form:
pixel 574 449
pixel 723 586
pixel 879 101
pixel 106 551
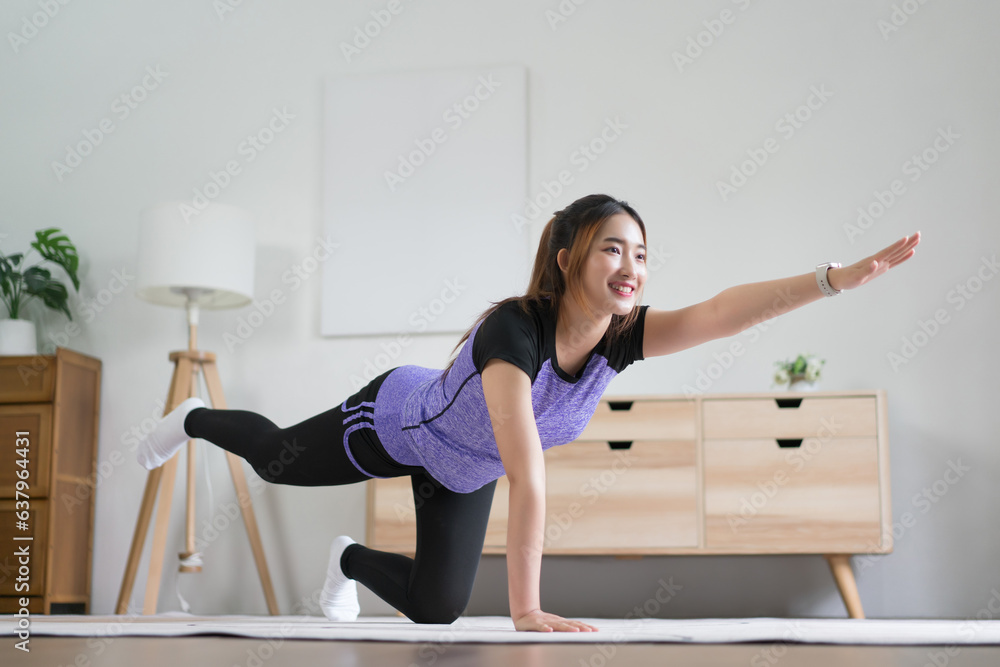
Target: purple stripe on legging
pixel 347 447
pixel 370 404
pixel 359 415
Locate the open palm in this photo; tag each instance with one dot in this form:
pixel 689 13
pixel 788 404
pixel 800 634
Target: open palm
pixel 861 272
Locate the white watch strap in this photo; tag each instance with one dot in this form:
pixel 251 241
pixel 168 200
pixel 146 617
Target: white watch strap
pixel 821 279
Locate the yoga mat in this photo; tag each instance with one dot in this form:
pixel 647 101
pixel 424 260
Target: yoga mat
pixel 500 629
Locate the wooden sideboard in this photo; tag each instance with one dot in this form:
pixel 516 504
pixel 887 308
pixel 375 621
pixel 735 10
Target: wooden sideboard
pixel 55 400
pixel 763 473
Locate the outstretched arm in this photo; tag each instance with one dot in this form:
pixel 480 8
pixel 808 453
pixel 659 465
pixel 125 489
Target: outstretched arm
pixel 744 306
pixel 738 308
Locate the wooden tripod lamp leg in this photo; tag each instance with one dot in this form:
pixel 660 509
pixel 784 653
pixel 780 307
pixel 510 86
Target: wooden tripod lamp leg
pixel 138 539
pixel 189 519
pixel 214 385
pixel 180 390
pixel 840 565
pixel 177 382
pixel 160 536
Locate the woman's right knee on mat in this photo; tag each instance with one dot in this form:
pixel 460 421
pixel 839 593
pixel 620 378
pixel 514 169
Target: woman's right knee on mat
pixel 443 607
pixel 435 615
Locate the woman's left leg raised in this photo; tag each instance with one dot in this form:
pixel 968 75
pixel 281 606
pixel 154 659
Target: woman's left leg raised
pixel 320 451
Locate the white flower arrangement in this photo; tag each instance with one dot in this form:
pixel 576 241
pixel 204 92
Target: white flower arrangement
pixel 805 367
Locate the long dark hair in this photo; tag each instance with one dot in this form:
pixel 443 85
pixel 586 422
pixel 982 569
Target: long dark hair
pixel 574 228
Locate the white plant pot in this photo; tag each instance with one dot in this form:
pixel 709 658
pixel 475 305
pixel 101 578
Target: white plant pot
pixel 17 337
pixel 802 385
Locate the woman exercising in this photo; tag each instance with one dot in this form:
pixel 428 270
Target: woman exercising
pixel 528 378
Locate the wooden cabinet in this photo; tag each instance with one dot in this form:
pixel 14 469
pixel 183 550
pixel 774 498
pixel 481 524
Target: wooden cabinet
pixel 55 400
pixel 764 473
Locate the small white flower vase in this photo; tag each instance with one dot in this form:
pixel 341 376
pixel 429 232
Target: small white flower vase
pixel 800 383
pixel 17 337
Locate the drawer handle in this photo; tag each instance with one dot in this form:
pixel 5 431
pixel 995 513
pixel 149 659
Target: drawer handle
pixel 620 405
pixel 620 444
pixel 789 442
pixel 788 402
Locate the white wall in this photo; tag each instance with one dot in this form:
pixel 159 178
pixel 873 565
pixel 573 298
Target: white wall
pixel 610 60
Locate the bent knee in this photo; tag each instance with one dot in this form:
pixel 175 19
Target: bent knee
pixel 436 613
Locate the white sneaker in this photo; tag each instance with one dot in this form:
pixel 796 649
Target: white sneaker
pixel 339 599
pixel 168 436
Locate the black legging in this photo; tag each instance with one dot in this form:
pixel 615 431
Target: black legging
pixel 432 587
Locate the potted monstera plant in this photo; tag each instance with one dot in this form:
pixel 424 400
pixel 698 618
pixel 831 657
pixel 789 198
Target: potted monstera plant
pixel 20 283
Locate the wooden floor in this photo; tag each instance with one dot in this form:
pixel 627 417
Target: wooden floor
pixel 224 651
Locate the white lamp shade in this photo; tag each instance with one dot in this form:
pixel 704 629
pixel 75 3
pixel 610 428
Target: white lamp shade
pixel 181 247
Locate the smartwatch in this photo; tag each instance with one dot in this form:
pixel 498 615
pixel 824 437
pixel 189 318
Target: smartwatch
pixel 824 284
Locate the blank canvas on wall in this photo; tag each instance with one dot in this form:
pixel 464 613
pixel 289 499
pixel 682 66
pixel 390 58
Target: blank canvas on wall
pixel 423 172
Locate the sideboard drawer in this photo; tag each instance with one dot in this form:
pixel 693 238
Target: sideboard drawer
pixel 35 419
pixel 641 420
pixel 820 497
pixel 841 417
pixel 645 495
pixel 27 379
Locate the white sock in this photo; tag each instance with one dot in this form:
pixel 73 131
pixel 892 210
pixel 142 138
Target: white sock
pixel 339 599
pixel 168 436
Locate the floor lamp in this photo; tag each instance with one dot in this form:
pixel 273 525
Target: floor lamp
pixel 193 259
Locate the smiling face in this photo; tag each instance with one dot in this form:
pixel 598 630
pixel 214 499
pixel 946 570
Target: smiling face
pixel 616 258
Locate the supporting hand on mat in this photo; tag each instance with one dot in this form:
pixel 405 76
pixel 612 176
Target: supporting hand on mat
pixel 540 621
pixel 861 272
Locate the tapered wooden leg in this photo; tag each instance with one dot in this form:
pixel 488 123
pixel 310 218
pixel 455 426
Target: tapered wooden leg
pixel 242 492
pixel 840 565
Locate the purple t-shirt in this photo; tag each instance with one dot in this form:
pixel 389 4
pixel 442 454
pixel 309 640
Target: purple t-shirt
pixel 447 429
